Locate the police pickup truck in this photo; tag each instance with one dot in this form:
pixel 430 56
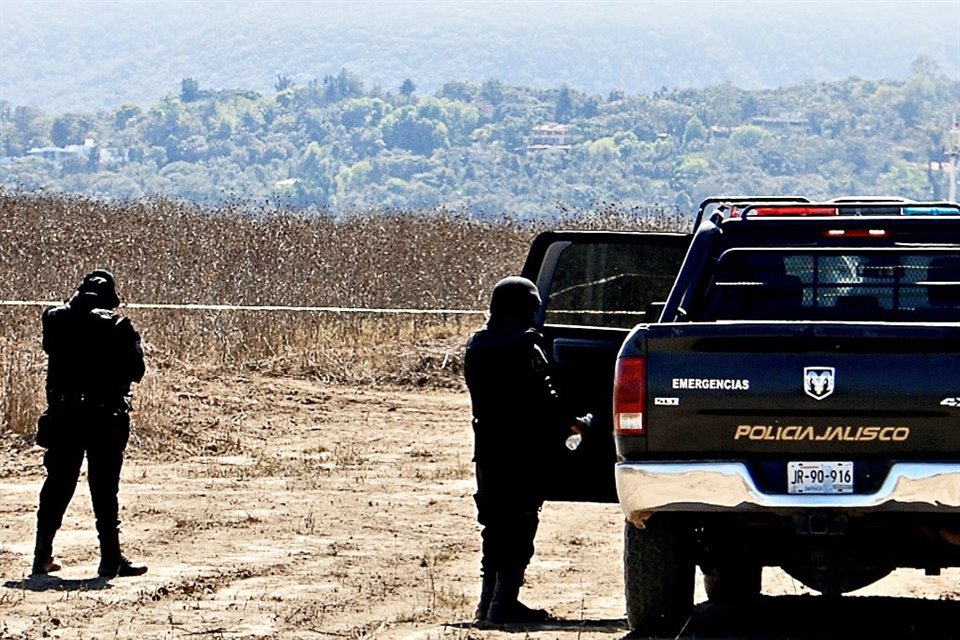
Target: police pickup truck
pixel 779 388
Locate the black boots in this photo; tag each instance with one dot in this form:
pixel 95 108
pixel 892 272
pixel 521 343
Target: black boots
pixel 43 562
pixel 487 588
pixel 121 567
pixel 506 609
pixel 112 562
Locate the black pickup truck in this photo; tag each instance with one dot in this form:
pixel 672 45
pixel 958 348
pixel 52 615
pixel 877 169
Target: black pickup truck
pixel 779 388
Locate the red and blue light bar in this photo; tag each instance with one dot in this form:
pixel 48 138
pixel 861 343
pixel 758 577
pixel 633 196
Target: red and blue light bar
pixel 846 209
pixel 931 211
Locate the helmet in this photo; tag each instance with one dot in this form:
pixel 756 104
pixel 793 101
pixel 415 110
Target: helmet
pixel 100 283
pixel 514 302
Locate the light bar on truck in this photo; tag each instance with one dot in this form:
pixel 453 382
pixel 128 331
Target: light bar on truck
pixel 931 211
pixel 851 208
pixel 793 211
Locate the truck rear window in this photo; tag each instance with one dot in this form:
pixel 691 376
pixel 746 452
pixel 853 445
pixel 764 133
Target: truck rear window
pixel 610 284
pixel 890 284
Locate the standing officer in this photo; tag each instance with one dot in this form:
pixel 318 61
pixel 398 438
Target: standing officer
pixel 516 415
pixel 94 355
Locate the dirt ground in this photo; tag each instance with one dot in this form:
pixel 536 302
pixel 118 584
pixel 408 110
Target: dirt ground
pixel 309 511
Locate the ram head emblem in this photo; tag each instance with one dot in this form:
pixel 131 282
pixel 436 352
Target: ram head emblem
pixel 818 382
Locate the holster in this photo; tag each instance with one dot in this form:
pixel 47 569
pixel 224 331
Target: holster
pixel 48 430
pixel 79 422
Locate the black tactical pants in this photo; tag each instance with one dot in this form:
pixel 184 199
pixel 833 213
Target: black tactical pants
pixel 102 438
pixel 508 509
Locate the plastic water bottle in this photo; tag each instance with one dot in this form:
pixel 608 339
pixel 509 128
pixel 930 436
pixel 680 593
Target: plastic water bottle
pixel 574 440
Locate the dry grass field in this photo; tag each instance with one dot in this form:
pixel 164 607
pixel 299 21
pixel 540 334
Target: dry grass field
pixel 307 474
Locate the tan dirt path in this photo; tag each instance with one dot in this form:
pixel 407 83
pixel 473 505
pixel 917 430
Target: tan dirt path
pixel 311 511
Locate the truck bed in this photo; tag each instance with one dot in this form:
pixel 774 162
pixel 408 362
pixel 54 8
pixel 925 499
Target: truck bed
pixel 824 389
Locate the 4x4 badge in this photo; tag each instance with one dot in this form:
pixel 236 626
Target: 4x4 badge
pixel 818 382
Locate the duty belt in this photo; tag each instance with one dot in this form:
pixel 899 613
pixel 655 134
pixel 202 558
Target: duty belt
pixel 88 400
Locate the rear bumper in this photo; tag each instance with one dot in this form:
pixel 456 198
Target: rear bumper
pixel 685 487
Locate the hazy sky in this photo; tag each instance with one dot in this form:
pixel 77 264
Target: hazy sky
pixel 54 54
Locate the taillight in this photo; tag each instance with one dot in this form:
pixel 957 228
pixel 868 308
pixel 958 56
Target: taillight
pixel 856 233
pixel 629 395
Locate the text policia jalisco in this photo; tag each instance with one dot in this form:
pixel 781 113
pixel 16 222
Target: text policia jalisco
pixel 822 434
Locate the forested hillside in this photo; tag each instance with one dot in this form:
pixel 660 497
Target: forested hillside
pixel 492 149
pixel 63 55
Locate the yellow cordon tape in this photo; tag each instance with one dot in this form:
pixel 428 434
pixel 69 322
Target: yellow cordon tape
pixel 242 307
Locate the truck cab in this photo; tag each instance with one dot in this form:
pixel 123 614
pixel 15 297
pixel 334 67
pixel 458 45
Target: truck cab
pixel 778 388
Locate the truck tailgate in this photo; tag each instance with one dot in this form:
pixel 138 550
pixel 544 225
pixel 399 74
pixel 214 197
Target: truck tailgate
pixel 790 387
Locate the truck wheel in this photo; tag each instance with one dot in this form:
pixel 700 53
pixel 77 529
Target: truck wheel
pixel 658 571
pixel 728 583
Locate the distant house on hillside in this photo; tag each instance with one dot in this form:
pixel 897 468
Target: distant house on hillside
pixel 56 154
pixel 782 125
pixel 82 152
pixel 549 136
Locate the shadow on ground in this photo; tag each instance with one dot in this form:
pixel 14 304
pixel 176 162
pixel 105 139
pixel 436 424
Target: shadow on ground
pixel 599 625
pixel 815 617
pixel 54 583
pixel 790 618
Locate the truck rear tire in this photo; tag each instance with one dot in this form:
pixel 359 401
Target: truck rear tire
pixel 658 571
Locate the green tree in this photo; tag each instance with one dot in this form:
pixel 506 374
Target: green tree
pixel 353 178
pixel 602 150
pixel 126 114
pixel 694 131
pixel 460 119
pixel 283 83
pixel 627 143
pixel 316 174
pixel 462 91
pixel 358 113
pixel 189 90
pixel 616 95
pixel 405 129
pixel 687 172
pixel 590 108
pixel 924 65
pixel 749 136
pixel 26 128
pixel 70 129
pixel 29 173
pixel 340 87
pixel 407 88
pixel 493 92
pixel 564 109
pixel 905 179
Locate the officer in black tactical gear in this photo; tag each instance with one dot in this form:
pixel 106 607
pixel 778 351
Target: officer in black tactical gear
pixel 94 355
pixel 516 415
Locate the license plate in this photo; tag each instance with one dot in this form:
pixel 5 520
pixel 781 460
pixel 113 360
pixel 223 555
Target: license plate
pixel 820 477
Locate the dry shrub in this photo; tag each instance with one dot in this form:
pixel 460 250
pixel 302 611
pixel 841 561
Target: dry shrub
pixel 170 252
pixel 167 252
pixel 337 347
pixel 21 388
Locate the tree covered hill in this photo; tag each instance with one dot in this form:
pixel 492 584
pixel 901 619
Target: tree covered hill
pixel 63 55
pixel 492 148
